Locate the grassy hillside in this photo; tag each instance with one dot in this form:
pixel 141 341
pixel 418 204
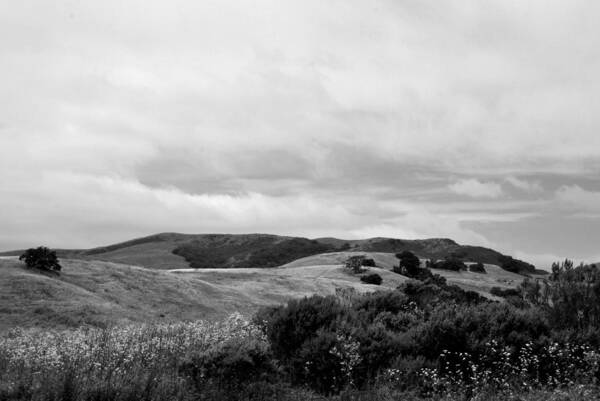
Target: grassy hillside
pixel 99 293
pixel 176 251
pixel 479 282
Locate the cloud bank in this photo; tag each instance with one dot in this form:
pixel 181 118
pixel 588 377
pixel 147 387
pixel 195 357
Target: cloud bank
pixel 398 118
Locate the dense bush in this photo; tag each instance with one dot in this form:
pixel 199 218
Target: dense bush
pixel 262 251
pixel 327 345
pixel 231 365
pixel 514 265
pixel 570 297
pixel 505 292
pixel 373 278
pixel 41 258
pixel 449 263
pixel 409 263
pixel 477 267
pixel 369 262
pixel 289 327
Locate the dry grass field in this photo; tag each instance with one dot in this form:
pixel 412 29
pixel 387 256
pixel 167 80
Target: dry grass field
pixel 102 293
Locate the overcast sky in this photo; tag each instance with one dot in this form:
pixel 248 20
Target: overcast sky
pixel 473 120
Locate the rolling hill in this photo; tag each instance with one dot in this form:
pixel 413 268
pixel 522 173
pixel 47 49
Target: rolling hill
pixel 478 282
pixel 173 277
pixel 172 250
pixel 101 293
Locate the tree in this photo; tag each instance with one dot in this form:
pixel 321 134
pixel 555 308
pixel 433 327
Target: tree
pixel 450 263
pixel 41 258
pixel 372 279
pixel 409 263
pixel 368 262
pixel 356 263
pixel 477 267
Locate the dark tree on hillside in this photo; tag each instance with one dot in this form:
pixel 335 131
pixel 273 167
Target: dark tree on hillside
pixel 450 263
pixel 368 262
pixel 41 258
pixel 372 279
pixel 355 263
pixel 409 263
pixel 477 267
pixel 515 265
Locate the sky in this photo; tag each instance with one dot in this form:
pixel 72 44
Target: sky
pixel 472 120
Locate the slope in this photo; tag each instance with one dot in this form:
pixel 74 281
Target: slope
pixel 104 293
pixel 479 282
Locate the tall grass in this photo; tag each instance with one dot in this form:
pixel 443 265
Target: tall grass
pixel 126 363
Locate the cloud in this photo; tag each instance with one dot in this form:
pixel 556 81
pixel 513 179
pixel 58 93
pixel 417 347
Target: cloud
pixel 332 118
pixel 476 189
pixel 525 185
pixel 541 261
pixel 408 82
pixel 578 199
pixel 419 224
pixel 85 210
pixel 62 206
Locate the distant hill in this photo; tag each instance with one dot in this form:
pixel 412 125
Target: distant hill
pixel 482 283
pixel 177 251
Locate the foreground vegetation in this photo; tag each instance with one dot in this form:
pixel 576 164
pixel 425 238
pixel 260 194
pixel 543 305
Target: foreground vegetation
pixel 425 340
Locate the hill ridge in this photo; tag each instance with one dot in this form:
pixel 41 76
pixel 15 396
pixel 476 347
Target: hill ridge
pixel 169 250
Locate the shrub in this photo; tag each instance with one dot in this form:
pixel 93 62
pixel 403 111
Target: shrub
pixel 409 263
pixel 570 297
pixel 323 364
pixel 405 372
pixel 288 327
pixel 41 258
pixel 368 262
pixel 381 301
pixel 450 263
pixel 371 279
pixel 477 267
pixel 515 265
pixel 429 294
pixel 505 292
pixel 231 365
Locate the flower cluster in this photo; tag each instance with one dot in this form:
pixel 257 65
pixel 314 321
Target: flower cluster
pixel 346 349
pixel 503 368
pixel 32 357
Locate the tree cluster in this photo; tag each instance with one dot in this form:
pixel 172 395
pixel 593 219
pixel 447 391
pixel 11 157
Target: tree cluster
pixel 357 262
